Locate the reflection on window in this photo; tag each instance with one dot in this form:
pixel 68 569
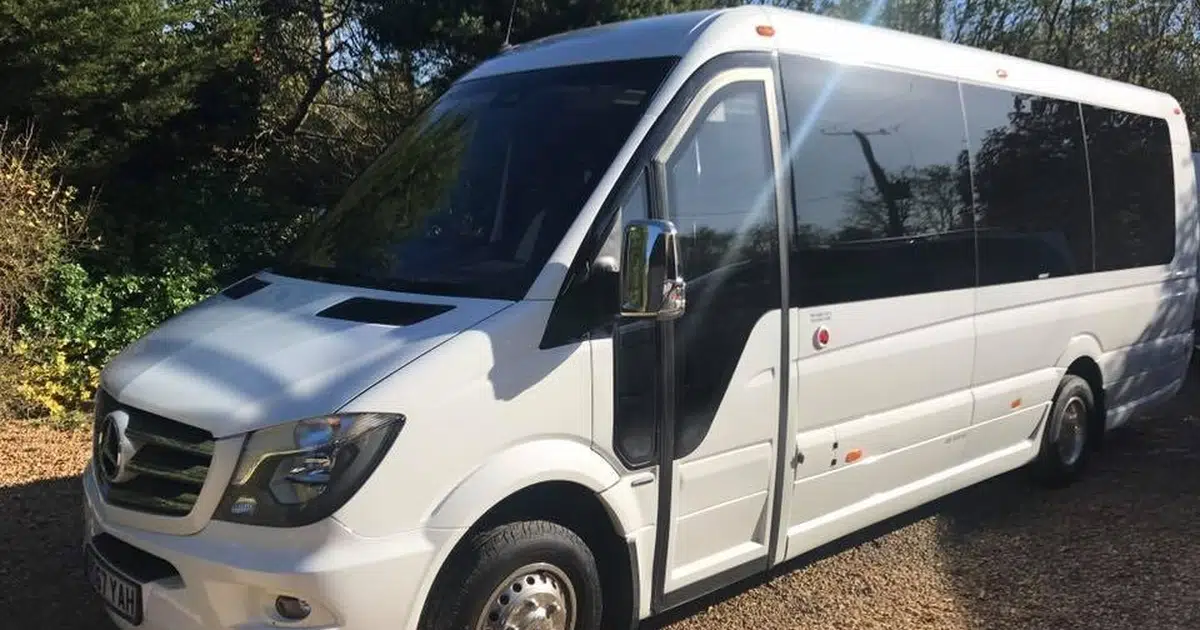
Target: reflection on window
pixel 1031 186
pixel 882 184
pixel 476 196
pixel 720 193
pixel 635 207
pixel 720 184
pixel 1133 187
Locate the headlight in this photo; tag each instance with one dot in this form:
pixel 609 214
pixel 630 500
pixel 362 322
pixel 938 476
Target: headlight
pixel 298 473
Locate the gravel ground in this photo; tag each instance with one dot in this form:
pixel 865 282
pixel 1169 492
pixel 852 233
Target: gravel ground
pixel 1119 549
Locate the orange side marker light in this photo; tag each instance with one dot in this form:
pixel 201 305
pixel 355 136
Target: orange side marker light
pixel 854 455
pixel 1016 403
pixel 765 30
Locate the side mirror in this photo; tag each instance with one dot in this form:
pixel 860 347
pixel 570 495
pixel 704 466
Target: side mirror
pixel 651 283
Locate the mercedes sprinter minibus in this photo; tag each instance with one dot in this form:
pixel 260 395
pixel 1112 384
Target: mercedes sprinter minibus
pixel 635 312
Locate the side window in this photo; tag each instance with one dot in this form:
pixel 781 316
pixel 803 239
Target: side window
pixel 882 184
pixel 1031 186
pixel 636 206
pixel 1133 187
pixel 635 343
pixel 720 183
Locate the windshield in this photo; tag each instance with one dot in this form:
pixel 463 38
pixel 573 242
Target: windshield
pixel 475 196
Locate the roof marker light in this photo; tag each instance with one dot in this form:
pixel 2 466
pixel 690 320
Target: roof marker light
pixel 765 30
pixel 1002 73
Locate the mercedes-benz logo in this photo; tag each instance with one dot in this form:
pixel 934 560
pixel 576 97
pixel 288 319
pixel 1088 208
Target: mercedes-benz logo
pixel 114 450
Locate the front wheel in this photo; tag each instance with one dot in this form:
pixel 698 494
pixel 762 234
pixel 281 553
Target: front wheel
pixel 1067 438
pixel 529 575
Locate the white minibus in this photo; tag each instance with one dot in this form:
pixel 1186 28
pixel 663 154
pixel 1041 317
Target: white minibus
pixel 636 312
pixel 1196 312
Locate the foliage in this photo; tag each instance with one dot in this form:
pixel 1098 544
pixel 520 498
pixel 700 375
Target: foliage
pixel 449 36
pixel 205 134
pixel 79 322
pixel 39 219
pixel 104 78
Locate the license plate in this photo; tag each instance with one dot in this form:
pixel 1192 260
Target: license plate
pixel 123 596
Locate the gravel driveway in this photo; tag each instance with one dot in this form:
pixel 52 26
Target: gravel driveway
pixel 1121 549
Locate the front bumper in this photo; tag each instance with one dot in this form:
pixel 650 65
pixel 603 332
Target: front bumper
pixel 228 575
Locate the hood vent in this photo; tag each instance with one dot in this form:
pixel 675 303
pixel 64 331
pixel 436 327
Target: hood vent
pixel 245 287
pixel 389 313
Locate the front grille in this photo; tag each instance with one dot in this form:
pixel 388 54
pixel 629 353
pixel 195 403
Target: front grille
pixel 169 464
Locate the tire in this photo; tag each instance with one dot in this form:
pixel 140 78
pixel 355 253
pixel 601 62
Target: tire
pixel 1061 462
pixel 514 573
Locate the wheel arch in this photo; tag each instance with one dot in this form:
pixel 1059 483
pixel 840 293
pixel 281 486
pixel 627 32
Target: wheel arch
pixel 1082 359
pixel 528 465
pixel 558 480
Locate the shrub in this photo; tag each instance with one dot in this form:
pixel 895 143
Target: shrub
pixel 60 321
pixel 80 321
pixel 40 222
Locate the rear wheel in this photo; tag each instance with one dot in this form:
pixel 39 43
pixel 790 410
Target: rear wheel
pixel 530 575
pixel 1068 435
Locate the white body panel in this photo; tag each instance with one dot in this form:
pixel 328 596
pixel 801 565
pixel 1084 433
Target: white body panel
pixel 509 397
pixel 722 490
pixel 865 391
pixel 931 392
pixel 231 366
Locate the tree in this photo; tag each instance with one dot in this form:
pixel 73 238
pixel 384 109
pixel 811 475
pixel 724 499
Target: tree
pixel 447 37
pixel 103 78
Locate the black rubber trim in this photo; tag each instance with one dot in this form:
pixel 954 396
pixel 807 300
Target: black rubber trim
pixel 784 221
pixel 635 584
pixel 666 462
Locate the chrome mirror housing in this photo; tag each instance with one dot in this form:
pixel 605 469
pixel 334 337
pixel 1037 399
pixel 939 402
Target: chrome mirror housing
pixel 651 281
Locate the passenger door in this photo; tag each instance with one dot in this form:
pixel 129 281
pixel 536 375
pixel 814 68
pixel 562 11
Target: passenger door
pixel 882 276
pixel 715 177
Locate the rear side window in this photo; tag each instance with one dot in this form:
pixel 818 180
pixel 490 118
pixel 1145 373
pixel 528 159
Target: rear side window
pixel 1031 186
pixel 1133 186
pixel 882 184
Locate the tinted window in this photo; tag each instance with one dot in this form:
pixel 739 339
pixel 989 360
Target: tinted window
pixel 475 196
pixel 636 206
pixel 882 187
pixel 636 343
pixel 1133 186
pixel 720 194
pixel 1031 185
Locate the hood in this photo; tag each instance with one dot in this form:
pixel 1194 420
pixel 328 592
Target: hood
pixel 272 349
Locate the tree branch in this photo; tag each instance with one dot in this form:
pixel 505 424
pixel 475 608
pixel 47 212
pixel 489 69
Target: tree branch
pixel 321 70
